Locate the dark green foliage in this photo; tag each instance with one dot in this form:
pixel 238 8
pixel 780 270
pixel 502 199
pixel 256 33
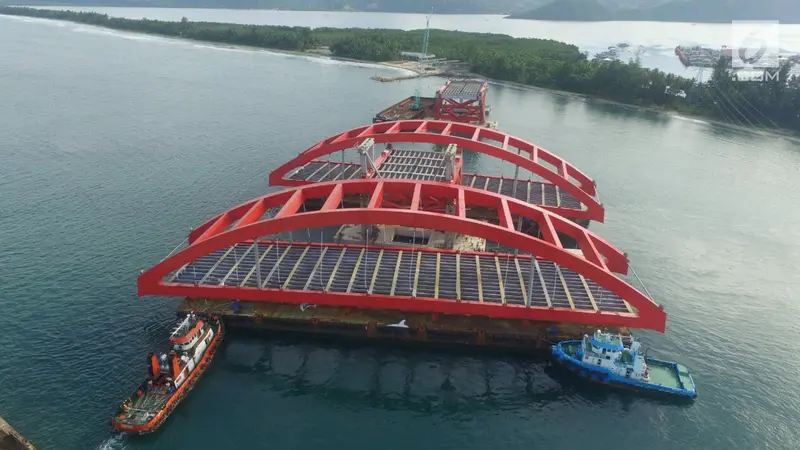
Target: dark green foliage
pixel 537 62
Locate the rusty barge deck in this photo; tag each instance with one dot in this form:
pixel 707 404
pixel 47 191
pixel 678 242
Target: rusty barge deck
pixel 403 110
pixel 462 101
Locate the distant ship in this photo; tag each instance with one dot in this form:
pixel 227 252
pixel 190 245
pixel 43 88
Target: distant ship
pixel 612 54
pixel 701 56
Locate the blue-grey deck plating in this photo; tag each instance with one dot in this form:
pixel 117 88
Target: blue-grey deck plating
pixel 462 89
pixel 429 166
pixel 491 278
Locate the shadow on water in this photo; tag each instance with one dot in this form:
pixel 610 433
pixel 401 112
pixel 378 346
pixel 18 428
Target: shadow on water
pixel 353 374
pixel 738 133
pixel 470 160
pixel 627 112
pixel 412 378
pixel 727 132
pixel 560 103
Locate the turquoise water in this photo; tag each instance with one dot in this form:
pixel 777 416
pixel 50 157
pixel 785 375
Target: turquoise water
pixel 114 145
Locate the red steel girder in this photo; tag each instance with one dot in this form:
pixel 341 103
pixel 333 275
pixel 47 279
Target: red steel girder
pixel 598 262
pixel 443 133
pixel 473 108
pixel 470 111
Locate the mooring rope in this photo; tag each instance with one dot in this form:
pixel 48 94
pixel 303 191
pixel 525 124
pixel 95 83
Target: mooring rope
pixel 633 271
pixel 176 248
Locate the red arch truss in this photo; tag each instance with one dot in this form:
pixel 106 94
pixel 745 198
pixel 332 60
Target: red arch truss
pixel 514 150
pixel 596 260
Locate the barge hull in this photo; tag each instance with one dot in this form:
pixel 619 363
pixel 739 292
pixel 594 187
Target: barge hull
pixel 403 110
pixel 10 439
pixel 387 325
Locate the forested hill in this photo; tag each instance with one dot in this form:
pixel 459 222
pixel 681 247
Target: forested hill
pixel 574 10
pixel 707 11
pixel 402 6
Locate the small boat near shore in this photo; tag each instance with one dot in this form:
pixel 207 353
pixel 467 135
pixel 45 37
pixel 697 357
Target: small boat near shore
pixel 605 358
pixel 171 376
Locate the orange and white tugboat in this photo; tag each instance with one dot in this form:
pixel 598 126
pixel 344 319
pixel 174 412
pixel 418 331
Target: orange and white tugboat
pixel 172 375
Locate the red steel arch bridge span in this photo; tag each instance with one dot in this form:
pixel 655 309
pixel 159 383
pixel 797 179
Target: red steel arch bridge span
pixel 553 183
pixel 236 255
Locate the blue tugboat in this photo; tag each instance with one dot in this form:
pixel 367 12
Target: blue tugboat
pixel 604 358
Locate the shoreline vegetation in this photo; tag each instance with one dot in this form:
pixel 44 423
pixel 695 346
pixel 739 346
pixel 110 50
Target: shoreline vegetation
pixel 772 102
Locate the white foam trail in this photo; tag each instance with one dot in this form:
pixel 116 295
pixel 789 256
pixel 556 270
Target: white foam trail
pixel 131 36
pixel 112 443
pixel 321 59
pixel 52 23
pixel 222 48
pixel 690 119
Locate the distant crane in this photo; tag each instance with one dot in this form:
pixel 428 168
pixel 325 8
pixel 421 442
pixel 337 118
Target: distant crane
pixel 427 39
pixel 417 101
pixel 637 57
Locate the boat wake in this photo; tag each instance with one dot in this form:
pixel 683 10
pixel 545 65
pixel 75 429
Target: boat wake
pixel 327 60
pixel 116 442
pixel 221 48
pixel 123 35
pixel 690 119
pixel 34 20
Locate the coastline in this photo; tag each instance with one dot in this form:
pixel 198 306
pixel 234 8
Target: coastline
pixel 767 132
pixel 575 96
pixel 412 73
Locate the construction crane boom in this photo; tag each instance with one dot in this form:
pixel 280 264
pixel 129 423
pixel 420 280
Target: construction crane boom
pixel 417 101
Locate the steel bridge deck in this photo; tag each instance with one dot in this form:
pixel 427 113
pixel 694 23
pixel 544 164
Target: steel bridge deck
pixel 399 164
pixel 429 166
pixel 462 89
pixel 533 192
pixel 486 278
pixel 413 165
pixel 319 171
